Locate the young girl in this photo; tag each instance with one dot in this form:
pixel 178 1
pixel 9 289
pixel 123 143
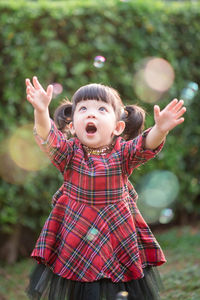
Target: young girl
pixel 132 114
pixel 91 247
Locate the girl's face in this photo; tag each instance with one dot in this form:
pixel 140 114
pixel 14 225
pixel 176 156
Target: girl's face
pixel 95 123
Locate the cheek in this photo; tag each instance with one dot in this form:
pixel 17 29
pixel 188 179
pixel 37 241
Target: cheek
pixel 77 121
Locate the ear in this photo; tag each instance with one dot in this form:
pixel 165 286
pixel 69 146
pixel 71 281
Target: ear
pixel 71 128
pixel 120 126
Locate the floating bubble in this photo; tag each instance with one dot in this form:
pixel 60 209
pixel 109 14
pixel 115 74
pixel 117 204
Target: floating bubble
pixel 189 92
pixel 122 296
pixel 194 86
pixel 166 216
pixel 57 89
pixel 99 61
pixel 153 77
pixel 92 233
pixel 24 151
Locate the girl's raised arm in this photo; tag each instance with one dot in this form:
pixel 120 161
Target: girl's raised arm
pixel 165 120
pixel 40 100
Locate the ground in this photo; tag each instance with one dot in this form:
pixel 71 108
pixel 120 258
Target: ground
pixel 180 275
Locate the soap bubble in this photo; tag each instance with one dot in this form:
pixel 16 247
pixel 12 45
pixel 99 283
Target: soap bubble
pixel 99 61
pixel 122 296
pixel 153 77
pixel 166 216
pixel 189 92
pixel 57 89
pixel 92 233
pixel 24 151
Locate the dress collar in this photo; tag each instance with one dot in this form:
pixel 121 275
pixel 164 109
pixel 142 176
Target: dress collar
pixel 98 151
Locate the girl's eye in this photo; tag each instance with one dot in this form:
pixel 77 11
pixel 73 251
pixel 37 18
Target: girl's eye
pixel 82 108
pixel 102 108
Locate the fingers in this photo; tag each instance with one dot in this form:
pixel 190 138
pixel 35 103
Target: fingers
pixel 29 84
pixel 178 105
pixel 37 86
pixel 156 111
pixel 179 121
pixel 30 89
pixel 29 98
pixel 180 112
pixel 179 109
pixel 36 83
pixel 50 91
pixel 172 104
pixel 27 81
pixel 29 92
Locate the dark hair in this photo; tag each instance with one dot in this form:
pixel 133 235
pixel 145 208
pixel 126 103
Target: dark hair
pixel 63 116
pixel 99 92
pixel 132 115
pixel 134 118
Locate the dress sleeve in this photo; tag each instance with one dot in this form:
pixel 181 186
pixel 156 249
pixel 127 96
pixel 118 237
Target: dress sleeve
pixel 135 153
pixel 58 149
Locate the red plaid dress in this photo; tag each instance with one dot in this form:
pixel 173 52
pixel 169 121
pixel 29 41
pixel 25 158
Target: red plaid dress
pixel 95 229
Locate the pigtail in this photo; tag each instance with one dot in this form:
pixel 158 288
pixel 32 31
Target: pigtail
pixel 134 118
pixel 63 117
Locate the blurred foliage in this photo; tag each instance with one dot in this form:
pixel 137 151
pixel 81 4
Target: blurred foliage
pixel 58 42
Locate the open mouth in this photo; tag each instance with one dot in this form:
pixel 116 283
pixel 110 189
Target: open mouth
pixel 91 128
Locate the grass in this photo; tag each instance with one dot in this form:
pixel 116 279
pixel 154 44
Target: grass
pixel 181 273
pixel 14 279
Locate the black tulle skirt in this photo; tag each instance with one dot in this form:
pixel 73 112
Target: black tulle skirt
pixel 44 284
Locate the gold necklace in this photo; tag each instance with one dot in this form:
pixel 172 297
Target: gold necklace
pixel 97 151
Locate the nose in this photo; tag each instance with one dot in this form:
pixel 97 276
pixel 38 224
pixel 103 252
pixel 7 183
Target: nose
pixel 91 113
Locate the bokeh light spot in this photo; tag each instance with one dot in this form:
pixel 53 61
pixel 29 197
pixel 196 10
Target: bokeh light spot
pixel 122 295
pixel 9 171
pixel 142 90
pixel 157 191
pixel 166 216
pixel 189 92
pixel 159 74
pixel 57 89
pixel 159 188
pixel 24 151
pixel 152 78
pixel 99 61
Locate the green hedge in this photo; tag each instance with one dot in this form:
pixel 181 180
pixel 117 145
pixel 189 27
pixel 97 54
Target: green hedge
pixel 58 42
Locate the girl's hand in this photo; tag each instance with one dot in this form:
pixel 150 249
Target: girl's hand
pixel 170 116
pixel 37 96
